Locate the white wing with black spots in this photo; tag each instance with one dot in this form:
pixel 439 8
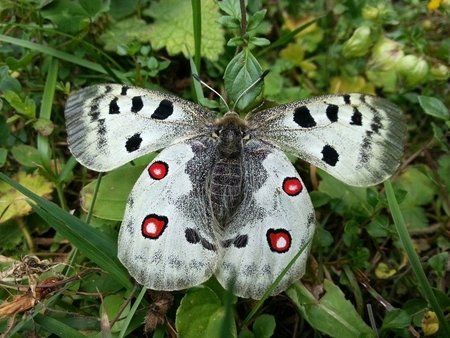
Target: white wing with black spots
pixel 356 138
pixel 275 219
pixel 166 240
pixel 109 125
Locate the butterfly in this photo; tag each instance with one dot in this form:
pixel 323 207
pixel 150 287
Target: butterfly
pixel 222 198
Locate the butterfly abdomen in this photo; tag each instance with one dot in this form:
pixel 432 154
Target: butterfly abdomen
pixel 226 187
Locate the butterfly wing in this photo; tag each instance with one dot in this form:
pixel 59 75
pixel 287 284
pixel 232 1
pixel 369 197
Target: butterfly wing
pixel 166 240
pixel 109 125
pixel 356 138
pixel 274 220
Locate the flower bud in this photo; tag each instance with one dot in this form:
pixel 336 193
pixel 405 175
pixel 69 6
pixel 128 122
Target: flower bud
pixel 385 54
pixel 430 323
pixel 439 72
pixel 358 44
pixel 374 12
pixel 413 69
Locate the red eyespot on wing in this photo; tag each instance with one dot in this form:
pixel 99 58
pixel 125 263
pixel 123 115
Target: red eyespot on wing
pixel 153 226
pixel 158 170
pixel 279 240
pixel 292 186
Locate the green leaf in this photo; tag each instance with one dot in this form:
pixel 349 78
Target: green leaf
pixel 443 170
pixel 90 241
pixel 350 199
pixel 231 7
pixel 56 327
pixel 396 319
pixel 27 156
pixel 3 154
pixel 264 326
pixel 420 189
pixel 125 32
pixel 67 15
pixel 25 107
pixel 201 314
pixel 242 71
pixel 7 82
pixel 94 7
pixel 113 192
pixel 332 314
pixel 439 263
pixel 433 107
pixel 173 28
pixel 13 203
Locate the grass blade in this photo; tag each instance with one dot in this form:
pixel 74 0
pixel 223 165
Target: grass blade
pixel 58 54
pixel 90 241
pixel 197 85
pixel 132 312
pixel 274 284
pixel 197 19
pixel 46 107
pixel 56 327
pixel 405 239
pixel 288 37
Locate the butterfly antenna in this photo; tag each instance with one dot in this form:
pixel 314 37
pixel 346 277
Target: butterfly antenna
pixel 195 76
pixel 263 75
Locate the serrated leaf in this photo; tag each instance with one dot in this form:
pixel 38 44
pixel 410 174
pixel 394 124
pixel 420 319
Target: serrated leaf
pixel 433 107
pixel 255 19
pixel 94 7
pixel 173 28
pixel 242 71
pixel 13 204
pixel 123 33
pixel 113 192
pixel 332 314
pixel 201 314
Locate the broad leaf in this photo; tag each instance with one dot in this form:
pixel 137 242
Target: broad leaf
pixel 332 314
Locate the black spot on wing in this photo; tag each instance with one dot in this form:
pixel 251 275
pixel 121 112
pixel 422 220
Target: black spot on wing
pixel 94 112
pixel 356 117
pixel 164 110
pixel 124 90
pixel 240 241
pixel 114 107
pixel 332 112
pixel 346 99
pixel 192 235
pixel 136 104
pixel 133 143
pixel 330 155
pixel 108 89
pixel 207 245
pixel 303 117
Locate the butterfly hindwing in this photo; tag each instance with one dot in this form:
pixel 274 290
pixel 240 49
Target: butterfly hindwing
pixel 166 240
pixel 274 220
pixel 355 137
pixel 109 125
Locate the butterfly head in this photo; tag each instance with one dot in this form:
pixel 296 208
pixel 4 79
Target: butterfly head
pixel 230 131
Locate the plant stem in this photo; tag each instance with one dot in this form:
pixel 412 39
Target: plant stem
pixel 243 18
pixel 197 20
pixel 414 260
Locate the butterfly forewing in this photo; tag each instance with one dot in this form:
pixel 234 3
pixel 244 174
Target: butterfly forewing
pixel 166 240
pixel 274 220
pixel 109 125
pixel 356 138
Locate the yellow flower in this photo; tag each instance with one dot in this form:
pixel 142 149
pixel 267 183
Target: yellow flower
pixel 430 323
pixel 433 5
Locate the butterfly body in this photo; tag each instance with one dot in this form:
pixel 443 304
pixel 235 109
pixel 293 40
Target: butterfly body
pixel 222 198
